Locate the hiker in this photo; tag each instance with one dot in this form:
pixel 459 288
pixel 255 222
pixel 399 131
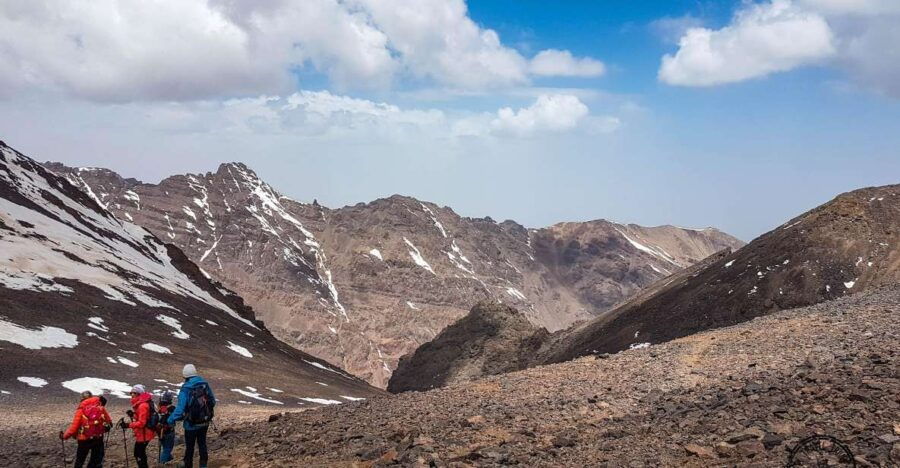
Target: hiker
pixel 195 406
pixel 166 432
pixel 141 423
pixel 90 423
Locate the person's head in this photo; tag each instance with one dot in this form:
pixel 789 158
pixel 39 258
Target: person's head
pixel 189 371
pixel 166 398
pixel 85 395
pixel 137 390
pixel 102 400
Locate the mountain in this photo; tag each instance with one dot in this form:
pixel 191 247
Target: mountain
pixel 846 246
pixel 362 285
pixel 88 301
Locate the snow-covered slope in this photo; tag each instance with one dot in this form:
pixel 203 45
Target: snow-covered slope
pixel 88 301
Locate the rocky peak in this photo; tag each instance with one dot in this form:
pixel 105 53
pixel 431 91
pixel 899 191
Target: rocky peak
pixel 491 339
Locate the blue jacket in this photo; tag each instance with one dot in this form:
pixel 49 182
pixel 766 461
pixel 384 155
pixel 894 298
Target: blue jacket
pixel 183 396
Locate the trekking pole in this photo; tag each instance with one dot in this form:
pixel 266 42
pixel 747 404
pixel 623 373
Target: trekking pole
pixel 62 443
pixel 124 442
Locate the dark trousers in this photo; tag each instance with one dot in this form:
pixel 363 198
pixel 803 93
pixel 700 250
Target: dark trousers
pixel 197 436
pixel 140 454
pixel 95 448
pixel 166 443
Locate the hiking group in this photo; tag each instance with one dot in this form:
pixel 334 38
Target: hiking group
pixel 194 407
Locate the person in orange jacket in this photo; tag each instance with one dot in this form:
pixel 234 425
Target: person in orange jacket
pixel 90 423
pixel 140 415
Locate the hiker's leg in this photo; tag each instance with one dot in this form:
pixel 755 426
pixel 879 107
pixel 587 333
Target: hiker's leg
pixel 96 460
pixel 190 438
pixel 140 454
pixel 201 444
pixel 81 453
pixel 168 442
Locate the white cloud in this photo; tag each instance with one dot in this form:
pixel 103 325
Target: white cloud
pixel 762 39
pixel 124 50
pixel 858 37
pixel 553 113
pixel 554 62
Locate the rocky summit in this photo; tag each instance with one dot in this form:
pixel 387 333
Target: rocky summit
pixel 363 285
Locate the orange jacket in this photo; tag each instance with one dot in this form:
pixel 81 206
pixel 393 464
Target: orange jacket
pixel 80 420
pixel 141 406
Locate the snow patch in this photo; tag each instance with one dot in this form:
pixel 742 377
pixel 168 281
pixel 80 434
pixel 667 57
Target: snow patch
pixel 97 324
pixel 240 350
pixel 126 361
pixel 516 293
pixel 98 386
pixel 321 401
pixel 417 257
pixel 45 337
pixel 174 323
pixel 727 265
pixel 639 346
pixel 156 348
pixel 376 253
pixel 36 382
pixel 255 396
pixel 350 398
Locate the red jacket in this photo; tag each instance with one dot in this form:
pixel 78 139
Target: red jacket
pixel 79 422
pixel 141 406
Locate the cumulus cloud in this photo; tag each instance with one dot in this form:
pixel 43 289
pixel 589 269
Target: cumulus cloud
pixel 122 50
pixel 761 39
pixel 857 36
pixel 553 113
pixel 554 62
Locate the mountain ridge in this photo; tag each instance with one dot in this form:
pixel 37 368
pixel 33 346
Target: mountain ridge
pixel 845 246
pixel 364 284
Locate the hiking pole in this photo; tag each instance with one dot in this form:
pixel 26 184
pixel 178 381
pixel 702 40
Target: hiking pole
pixel 124 441
pixel 62 443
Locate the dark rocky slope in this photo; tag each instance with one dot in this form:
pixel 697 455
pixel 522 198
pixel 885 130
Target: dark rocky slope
pixel 492 339
pixel 743 395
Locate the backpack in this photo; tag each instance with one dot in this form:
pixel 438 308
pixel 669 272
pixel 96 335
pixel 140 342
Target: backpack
pixel 200 406
pixel 93 424
pixel 153 417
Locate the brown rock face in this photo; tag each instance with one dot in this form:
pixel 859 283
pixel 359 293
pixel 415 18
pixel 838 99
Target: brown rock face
pixel 492 339
pixel 362 285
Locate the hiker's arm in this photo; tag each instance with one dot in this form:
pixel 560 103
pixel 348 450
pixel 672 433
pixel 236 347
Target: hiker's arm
pixel 179 409
pixel 73 428
pixel 143 413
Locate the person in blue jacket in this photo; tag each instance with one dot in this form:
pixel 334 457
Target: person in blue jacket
pixel 195 407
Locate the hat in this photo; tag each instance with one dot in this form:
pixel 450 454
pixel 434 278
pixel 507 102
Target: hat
pixel 167 397
pixel 189 371
pixel 138 389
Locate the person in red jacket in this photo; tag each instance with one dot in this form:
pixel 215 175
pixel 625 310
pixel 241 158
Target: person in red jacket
pixel 91 421
pixel 140 415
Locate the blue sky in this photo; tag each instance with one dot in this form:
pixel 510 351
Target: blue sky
pixel 737 115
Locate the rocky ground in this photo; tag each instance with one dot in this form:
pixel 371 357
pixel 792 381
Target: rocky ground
pixel 742 395
pixel 737 396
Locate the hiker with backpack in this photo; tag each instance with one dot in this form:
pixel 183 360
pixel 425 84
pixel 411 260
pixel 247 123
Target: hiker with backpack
pixel 144 420
pixel 166 432
pixel 195 407
pixel 90 423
